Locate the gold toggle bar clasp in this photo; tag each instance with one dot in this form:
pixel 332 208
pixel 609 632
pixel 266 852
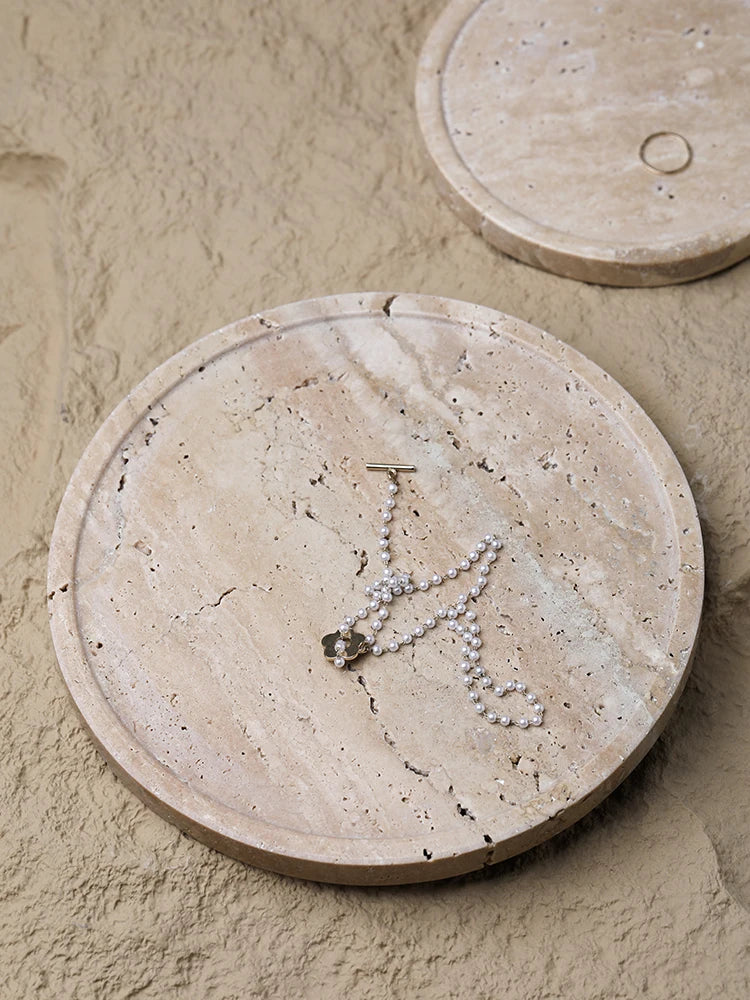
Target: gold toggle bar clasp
pixel 387 466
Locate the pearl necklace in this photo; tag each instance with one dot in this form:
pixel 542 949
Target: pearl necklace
pixel 345 645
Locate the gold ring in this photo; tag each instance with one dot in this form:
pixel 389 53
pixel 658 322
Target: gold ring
pixel 662 170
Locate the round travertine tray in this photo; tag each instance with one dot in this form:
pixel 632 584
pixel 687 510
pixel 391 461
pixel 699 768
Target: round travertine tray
pixel 221 521
pixel 537 117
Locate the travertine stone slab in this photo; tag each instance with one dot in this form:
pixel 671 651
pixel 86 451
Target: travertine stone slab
pixel 535 114
pixel 221 521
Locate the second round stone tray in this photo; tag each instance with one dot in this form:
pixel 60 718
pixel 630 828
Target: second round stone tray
pixel 221 522
pixel 605 142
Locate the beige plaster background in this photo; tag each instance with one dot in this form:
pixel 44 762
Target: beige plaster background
pixel 166 168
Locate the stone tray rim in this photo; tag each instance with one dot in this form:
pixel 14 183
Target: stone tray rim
pixel 626 264
pixel 347 860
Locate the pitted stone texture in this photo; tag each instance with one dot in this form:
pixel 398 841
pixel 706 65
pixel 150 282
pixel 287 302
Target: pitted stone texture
pixel 222 520
pixel 166 167
pixel 536 113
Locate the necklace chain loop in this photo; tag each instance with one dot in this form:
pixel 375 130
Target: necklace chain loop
pixel 345 645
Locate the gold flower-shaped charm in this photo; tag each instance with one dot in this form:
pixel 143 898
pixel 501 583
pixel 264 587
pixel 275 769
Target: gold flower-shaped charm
pixel 343 646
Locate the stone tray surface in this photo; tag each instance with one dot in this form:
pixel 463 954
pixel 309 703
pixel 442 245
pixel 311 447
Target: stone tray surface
pixel 533 114
pixel 221 521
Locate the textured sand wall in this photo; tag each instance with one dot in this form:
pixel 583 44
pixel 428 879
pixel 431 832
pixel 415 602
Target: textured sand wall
pixel 166 168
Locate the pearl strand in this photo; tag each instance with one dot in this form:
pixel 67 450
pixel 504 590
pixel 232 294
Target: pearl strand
pixel 390 585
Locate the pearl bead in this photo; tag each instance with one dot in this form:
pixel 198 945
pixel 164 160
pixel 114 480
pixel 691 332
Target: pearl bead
pixel 474 629
pixel 462 599
pixel 385 556
pixel 496 544
pixel 474 591
pixel 385 532
pixel 523 722
pixel 373 605
pixel 539 709
pixel 464 564
pixel 389 503
pixel 479 708
pixel 441 612
pixel 418 631
pixel 452 573
pixel 376 650
pixel 369 639
pixel 535 720
pixel 492 716
pixel 520 687
pixel 387 597
pixel 362 613
pixel 436 579
pixel 377 625
pixel 510 685
pixel 460 607
pixel 490 557
pixel 470 616
pixel 393 646
pixel 404 579
pixel 476 642
pixel 406 638
pixel 465 666
pixel 424 585
pixel 383 614
pixel 504 720
pixel 467 681
pixel 478 671
pixel 473 556
pixel 481 581
pixel 343 627
pixel 386 516
pixel 384 543
pixel 339 661
pixel 481 546
pixel 499 690
pixel 429 623
pixel 530 697
pixel 408 588
pixel 474 654
pixel 452 613
pixel 484 569
pixel 452 626
pixel 464 650
pixel 368 591
pixel 486 682
pixel 473 696
pixel 392 489
pixel 349 621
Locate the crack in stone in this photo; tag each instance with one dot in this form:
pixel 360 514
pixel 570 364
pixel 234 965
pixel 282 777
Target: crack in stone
pixel 267 323
pixel 215 604
pixel 373 704
pixel 386 307
pixel 408 766
pixel 416 770
pixel 465 811
pixel 461 809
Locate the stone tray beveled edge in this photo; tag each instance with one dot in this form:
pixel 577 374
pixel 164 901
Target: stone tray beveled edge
pixel 358 861
pixel 595 261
